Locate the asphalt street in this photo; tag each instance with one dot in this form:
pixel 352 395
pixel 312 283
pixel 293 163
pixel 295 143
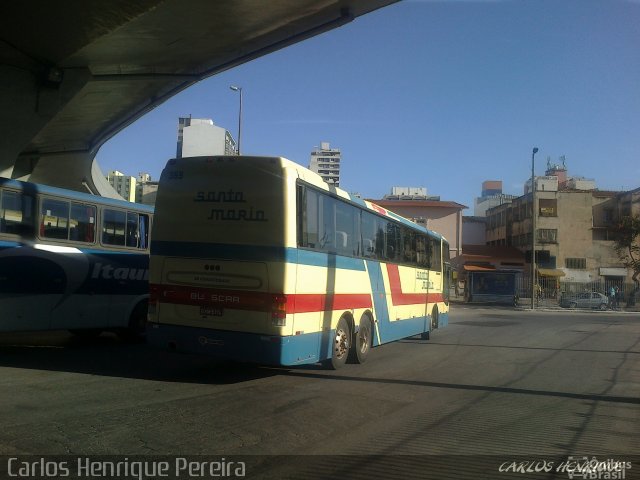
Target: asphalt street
pixel 496 384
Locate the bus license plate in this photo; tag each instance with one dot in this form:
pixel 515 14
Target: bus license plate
pixel 211 311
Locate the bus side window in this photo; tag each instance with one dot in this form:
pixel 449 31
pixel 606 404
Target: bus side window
pixel 82 223
pixel 16 213
pixel 144 231
pixel 113 227
pixel 55 219
pixel 133 234
pixel 394 243
pixel 309 210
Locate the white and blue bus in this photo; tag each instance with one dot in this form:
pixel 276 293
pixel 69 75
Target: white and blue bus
pixel 258 259
pixel 72 261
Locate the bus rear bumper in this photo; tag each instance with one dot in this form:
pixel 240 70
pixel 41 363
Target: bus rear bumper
pixel 239 346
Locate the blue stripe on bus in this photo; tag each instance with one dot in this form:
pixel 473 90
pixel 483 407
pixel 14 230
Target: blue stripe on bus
pixel 240 346
pixel 380 307
pixel 255 253
pixel 390 331
pixel 260 348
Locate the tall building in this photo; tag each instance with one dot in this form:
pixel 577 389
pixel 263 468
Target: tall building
pixel 199 136
pixel 123 184
pixel 490 197
pixel 325 161
pixel 146 189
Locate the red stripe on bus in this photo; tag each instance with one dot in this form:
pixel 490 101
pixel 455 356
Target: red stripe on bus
pixel 400 298
pixel 305 303
pixel 378 209
pixel 237 299
pixel 259 301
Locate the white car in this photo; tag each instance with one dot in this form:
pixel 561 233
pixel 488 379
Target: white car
pixel 585 300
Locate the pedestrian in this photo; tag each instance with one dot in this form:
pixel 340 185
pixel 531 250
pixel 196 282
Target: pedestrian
pixel 617 297
pixel 612 297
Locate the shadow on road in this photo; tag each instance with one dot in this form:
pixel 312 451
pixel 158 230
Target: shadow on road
pixel 106 355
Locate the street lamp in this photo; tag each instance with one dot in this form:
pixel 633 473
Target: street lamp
pixel 533 230
pixel 239 90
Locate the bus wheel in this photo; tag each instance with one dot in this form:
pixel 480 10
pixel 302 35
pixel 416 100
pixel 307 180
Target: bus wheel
pixel 137 324
pixel 341 344
pixel 361 343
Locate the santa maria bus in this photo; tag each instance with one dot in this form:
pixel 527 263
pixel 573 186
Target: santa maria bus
pixel 72 261
pixel 257 259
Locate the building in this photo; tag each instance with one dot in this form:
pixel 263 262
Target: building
pixel 574 237
pixel 490 197
pixel 410 193
pixel 199 136
pixel 325 161
pixel 443 217
pixel 123 184
pixel 146 189
pixel 473 231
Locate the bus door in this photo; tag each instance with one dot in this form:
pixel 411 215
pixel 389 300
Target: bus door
pixel 423 276
pixel 446 283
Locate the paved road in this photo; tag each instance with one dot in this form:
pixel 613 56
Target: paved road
pixel 495 384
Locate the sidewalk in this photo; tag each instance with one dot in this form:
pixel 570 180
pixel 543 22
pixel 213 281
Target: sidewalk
pixel 547 305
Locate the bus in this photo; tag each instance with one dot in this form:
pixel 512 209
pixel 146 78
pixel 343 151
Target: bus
pixel 72 261
pixel 257 259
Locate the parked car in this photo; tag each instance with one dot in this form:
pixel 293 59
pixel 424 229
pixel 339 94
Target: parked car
pixel 585 300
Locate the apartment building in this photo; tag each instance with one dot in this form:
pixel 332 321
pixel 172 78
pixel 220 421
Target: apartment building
pixel 125 185
pixel 325 161
pixel 574 237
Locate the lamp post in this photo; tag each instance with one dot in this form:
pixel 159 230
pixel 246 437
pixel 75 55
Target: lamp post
pixel 533 230
pixel 239 90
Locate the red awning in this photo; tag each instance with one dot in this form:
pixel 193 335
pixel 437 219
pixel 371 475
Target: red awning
pixel 478 268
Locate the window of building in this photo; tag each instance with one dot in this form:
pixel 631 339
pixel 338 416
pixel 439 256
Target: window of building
pixel 547 235
pixel 576 263
pixel 548 207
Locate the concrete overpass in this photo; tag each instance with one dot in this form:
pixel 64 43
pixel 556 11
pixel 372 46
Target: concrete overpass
pixel 74 74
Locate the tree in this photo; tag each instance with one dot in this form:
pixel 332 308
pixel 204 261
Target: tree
pixel 627 244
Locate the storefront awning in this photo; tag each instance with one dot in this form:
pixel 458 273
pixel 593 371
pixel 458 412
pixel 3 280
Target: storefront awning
pixel 613 272
pixel 550 272
pixel 478 268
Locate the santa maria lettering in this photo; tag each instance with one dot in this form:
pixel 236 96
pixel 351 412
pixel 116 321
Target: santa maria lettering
pixel 229 214
pixel 246 215
pixel 227 197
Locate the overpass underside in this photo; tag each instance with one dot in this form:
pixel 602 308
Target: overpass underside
pixel 74 74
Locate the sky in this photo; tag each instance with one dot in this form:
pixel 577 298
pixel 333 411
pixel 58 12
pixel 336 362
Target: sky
pixel 441 94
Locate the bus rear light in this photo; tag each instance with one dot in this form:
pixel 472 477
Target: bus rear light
pixel 279 310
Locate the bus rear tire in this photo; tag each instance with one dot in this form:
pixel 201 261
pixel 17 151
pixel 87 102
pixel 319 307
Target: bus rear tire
pixel 340 345
pixel 361 342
